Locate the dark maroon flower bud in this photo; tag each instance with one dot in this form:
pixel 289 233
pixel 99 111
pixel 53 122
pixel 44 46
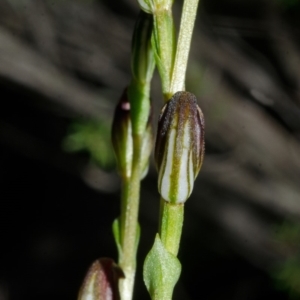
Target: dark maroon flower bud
pixel 122 139
pixel 101 281
pixel 122 136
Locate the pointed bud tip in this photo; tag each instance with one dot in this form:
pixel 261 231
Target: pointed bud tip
pixel 101 281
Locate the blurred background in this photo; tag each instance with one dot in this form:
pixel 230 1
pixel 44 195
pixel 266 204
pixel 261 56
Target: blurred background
pixel 63 66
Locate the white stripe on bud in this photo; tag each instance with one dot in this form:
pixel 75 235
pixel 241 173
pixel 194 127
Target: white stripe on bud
pixel 179 147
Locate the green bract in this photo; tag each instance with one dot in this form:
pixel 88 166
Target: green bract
pixel 161 271
pixel 179 147
pixel 142 59
pixel 142 66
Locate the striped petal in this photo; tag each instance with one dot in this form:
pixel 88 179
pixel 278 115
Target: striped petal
pixel 179 148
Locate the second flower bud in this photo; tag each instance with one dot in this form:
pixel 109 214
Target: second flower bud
pixel 122 139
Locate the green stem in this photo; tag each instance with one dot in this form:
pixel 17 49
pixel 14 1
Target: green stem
pixel 125 203
pixel 188 17
pixel 129 223
pixel 171 225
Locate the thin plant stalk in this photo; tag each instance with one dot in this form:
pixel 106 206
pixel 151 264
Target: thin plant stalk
pixel 139 101
pixel 171 225
pixel 172 216
pixel 187 22
pixel 129 224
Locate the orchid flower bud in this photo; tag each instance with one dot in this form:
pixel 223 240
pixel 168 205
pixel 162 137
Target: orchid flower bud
pixel 123 142
pixel 179 148
pixel 122 136
pixel 142 57
pixel 146 149
pixel 101 281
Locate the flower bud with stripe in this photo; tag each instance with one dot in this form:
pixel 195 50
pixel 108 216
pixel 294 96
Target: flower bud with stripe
pixel 179 148
pixel 146 149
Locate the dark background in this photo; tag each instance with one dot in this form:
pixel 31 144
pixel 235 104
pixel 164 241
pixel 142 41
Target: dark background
pixel 63 66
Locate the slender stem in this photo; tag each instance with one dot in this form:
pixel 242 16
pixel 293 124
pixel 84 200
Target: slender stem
pixel 171 225
pixel 124 207
pixel 183 46
pixel 129 223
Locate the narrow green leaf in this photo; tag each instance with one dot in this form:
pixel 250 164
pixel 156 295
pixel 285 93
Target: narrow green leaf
pixel 163 45
pixel 161 271
pixel 161 68
pixel 142 65
pixel 117 236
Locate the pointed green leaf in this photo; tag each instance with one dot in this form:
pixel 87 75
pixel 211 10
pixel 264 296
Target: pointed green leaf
pixel 117 236
pixel 161 68
pixel 161 271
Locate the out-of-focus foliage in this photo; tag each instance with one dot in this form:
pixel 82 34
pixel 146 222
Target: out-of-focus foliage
pixel 93 137
pixel 288 3
pixel 287 274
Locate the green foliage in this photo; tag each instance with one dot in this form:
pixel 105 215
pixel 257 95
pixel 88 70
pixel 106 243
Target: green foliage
pixel 161 271
pixel 287 274
pixel 93 137
pixel 288 3
pixel 288 277
pixel 142 66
